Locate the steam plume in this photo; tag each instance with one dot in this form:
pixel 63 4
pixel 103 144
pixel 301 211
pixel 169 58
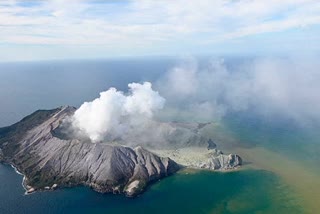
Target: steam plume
pixel 286 87
pixel 270 87
pixel 115 114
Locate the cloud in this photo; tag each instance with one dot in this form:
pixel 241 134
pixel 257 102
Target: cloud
pixel 120 24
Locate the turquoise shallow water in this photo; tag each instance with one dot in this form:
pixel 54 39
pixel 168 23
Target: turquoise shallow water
pixel 299 142
pixel 247 191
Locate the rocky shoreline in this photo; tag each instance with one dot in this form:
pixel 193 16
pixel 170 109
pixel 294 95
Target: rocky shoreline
pixel 202 158
pixel 29 189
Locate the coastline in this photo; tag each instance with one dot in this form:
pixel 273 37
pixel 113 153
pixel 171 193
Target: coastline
pixel 29 190
pixel 23 179
pixel 193 168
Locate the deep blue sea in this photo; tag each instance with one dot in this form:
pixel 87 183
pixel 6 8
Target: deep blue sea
pixel 26 87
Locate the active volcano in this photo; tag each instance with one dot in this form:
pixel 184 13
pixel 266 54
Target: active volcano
pixel 40 149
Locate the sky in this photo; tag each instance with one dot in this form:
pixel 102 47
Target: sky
pixel 77 29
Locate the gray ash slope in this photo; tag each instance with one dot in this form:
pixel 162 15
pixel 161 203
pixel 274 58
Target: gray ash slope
pixel 47 159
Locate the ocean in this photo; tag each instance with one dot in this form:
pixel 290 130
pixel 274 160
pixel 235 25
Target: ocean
pixel 280 174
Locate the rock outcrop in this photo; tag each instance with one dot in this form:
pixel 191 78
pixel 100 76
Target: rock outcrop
pixel 47 160
pixel 220 161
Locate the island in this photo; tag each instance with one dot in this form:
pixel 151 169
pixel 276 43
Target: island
pixel 37 148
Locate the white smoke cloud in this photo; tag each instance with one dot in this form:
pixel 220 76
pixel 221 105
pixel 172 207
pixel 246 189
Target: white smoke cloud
pixel 115 114
pixel 195 93
pixel 287 87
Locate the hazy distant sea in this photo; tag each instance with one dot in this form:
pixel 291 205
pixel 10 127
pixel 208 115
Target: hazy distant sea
pixel 26 87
